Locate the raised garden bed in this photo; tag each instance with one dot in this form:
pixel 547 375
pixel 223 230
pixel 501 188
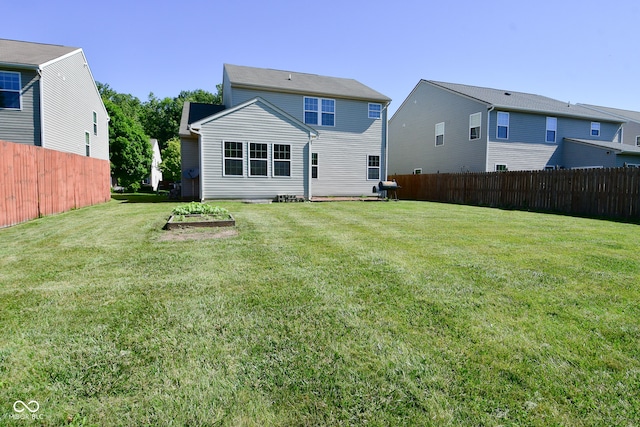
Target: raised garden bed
pixel 199 215
pixel 198 220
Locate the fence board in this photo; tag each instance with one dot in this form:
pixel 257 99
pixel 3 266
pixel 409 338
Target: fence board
pixel 613 193
pixel 35 182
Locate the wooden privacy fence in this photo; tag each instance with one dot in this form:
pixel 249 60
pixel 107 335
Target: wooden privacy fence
pixel 36 181
pixel 612 193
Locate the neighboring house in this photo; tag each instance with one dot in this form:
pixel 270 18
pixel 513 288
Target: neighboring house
pixel 282 132
pixel 631 127
pixel 48 98
pixel 156 174
pixel 446 127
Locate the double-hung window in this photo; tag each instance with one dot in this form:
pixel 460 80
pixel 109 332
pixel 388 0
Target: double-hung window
pixel 503 125
pixel 95 123
pixel 440 133
pixel 10 90
pixel 314 165
pixel 552 127
pixel 373 167
pixel 87 144
pixel 595 129
pixel 638 140
pixel 319 111
pixel 233 159
pixel 475 121
pixel 257 159
pixel 281 160
pixel 375 111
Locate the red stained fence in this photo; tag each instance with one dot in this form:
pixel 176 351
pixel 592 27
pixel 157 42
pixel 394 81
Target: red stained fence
pixel 36 181
pixel 610 193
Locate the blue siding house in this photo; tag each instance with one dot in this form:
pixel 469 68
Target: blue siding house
pixel 48 98
pixel 283 132
pixel 447 127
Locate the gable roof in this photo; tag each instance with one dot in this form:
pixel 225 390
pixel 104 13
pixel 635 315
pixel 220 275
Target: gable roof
pixel 257 100
pixel 525 102
pixel 292 82
pixel 31 55
pixel 633 116
pixel 194 111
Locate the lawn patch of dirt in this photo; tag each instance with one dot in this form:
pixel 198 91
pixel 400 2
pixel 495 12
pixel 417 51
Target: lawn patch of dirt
pixel 182 234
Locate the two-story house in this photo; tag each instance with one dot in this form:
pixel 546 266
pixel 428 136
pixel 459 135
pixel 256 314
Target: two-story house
pixel 283 132
pixel 631 127
pixel 48 98
pixel 446 127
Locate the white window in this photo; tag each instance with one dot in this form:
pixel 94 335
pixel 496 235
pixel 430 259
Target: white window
pixel 10 90
pixel 638 140
pixel 233 159
pixel 417 171
pixel 552 127
pixel 318 107
pixel 595 129
pixel 503 125
pixel 373 167
pixel 281 160
pixel 257 159
pixel 440 133
pixel 314 165
pixel 375 111
pixel 475 121
pixel 95 123
pixel 500 167
pixel 87 144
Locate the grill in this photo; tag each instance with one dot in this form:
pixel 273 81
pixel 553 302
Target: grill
pixel 384 187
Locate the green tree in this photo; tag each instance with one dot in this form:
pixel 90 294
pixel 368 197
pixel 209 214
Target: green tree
pixel 171 166
pixel 129 148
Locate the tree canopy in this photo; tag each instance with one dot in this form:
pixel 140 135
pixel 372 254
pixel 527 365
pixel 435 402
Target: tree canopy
pixel 133 123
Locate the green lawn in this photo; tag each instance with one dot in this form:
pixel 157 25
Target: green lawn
pixel 344 313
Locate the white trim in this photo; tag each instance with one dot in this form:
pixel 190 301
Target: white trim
pixel 94 117
pixel 498 124
pixel 417 171
pixel 439 130
pixel 87 143
pixel 474 115
pixel 274 160
pixel 495 167
pixel 11 90
pixel 374 167
pixel 224 158
pixel 265 160
pixel 637 140
pixel 595 126
pixel 553 129
pixel 60 58
pixel 319 111
pixel 369 110
pixel 317 165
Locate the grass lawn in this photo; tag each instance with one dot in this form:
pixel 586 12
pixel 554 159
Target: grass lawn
pixel 345 313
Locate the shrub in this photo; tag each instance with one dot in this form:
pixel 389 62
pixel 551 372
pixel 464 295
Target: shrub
pixel 195 208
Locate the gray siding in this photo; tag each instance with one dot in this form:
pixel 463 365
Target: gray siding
pixel 23 126
pixel 631 130
pixel 412 133
pixel 526 149
pixel 582 155
pixel 259 124
pixel 190 159
pixel 70 97
pixel 342 149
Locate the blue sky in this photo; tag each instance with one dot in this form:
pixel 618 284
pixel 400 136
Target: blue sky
pixel 578 51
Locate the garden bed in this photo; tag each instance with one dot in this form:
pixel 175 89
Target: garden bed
pixel 198 220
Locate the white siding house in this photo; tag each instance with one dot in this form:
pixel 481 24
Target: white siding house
pixel 282 132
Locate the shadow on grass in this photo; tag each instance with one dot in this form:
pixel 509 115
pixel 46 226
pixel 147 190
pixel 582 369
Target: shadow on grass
pixel 142 198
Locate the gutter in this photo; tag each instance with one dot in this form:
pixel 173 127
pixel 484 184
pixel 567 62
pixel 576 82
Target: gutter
pixel 486 151
pixel 42 133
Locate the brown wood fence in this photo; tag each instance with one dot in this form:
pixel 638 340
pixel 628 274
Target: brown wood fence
pixel 611 193
pixel 36 181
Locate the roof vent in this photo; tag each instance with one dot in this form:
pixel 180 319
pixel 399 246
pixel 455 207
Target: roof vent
pixel 289 76
pixel 507 93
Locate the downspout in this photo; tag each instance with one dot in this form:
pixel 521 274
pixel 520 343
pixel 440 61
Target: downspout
pixel 39 71
pixel 386 142
pixel 309 168
pixel 486 150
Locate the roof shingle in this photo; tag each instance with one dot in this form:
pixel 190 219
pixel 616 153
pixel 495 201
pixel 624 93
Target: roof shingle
pixel 29 54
